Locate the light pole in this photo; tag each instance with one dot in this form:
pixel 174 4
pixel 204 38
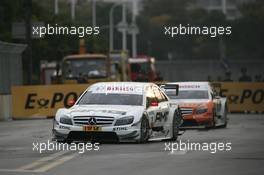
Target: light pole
pixel 222 47
pixel 134 29
pixel 111 27
pixel 73 4
pixel 56 7
pixel 224 7
pixel 94 12
pixel 124 32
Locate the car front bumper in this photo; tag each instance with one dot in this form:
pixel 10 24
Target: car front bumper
pixel 205 119
pixel 70 133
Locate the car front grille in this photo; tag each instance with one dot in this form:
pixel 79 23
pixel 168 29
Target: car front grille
pixel 186 111
pixel 187 123
pixel 93 136
pixel 99 120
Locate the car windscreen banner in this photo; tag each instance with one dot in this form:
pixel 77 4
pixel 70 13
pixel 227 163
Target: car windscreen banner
pixel 244 97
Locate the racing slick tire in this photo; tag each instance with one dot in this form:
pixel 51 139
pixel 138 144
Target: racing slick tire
pixel 144 130
pixel 212 125
pixel 225 117
pixel 175 125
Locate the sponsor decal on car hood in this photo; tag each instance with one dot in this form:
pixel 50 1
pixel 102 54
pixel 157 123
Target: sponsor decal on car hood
pixel 104 110
pixel 190 102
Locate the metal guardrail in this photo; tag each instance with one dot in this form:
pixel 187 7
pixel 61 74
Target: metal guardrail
pixel 10 66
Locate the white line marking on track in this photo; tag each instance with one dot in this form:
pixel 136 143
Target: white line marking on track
pixel 55 163
pixel 43 160
pixel 178 152
pixel 18 170
pixel 44 164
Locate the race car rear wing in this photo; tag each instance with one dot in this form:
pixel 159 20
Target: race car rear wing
pixel 170 89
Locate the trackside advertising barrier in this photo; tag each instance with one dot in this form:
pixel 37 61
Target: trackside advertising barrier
pixel 243 97
pixel 44 100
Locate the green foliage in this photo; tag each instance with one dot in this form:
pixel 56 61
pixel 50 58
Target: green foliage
pixel 247 38
pixel 244 42
pixel 158 14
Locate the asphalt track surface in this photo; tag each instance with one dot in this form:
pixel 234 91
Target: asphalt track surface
pixel 244 131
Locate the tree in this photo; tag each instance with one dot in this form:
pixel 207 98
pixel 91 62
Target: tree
pixel 160 13
pixel 155 16
pixel 247 37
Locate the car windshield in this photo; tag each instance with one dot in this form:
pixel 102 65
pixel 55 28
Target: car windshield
pixel 140 67
pixel 87 67
pixel 189 94
pixel 111 99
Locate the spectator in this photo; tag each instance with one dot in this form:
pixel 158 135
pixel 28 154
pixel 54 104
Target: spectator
pixel 244 77
pixel 209 78
pixel 81 79
pixel 258 78
pixel 86 78
pixel 69 74
pixel 228 77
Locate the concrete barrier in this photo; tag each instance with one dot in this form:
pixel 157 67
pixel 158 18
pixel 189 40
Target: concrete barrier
pixel 5 107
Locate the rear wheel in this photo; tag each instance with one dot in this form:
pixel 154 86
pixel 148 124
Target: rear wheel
pixel 144 130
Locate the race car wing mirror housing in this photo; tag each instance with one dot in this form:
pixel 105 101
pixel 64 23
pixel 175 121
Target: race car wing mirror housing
pixel 170 89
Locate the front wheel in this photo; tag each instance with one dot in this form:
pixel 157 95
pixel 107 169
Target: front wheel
pixel 225 117
pixel 175 126
pixel 144 130
pixel 213 122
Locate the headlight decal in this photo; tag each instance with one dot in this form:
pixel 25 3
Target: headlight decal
pixel 201 110
pixel 66 120
pixel 124 121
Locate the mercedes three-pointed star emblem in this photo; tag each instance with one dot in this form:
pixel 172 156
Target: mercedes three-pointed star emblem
pixel 92 121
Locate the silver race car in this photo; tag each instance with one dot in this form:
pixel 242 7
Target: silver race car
pixel 118 111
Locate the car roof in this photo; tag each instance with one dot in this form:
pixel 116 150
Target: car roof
pixel 190 83
pixel 142 84
pixel 85 56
